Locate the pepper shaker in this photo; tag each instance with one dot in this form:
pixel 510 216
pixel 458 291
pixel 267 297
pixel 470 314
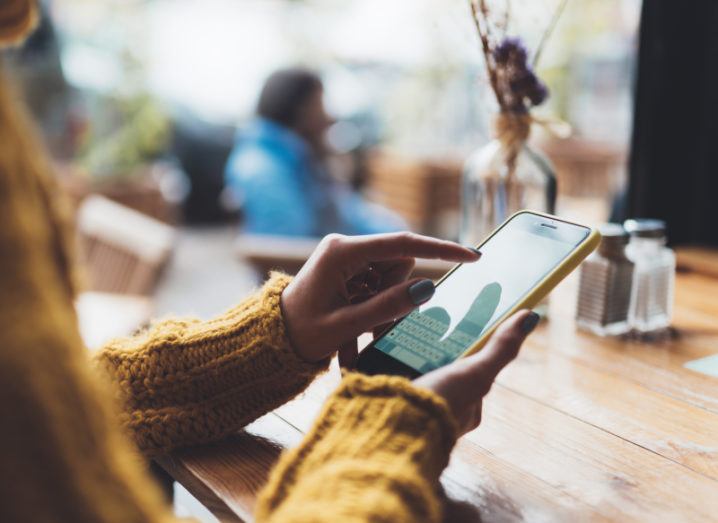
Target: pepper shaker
pixel 604 296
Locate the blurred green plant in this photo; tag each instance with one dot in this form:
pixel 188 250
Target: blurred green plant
pixel 129 133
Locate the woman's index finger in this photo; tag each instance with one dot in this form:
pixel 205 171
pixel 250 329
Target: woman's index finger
pixel 383 247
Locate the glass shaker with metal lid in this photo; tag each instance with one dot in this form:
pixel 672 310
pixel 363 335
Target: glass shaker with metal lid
pixel 654 276
pixel 605 285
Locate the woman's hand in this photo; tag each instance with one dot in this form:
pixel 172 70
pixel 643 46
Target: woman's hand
pixel 352 285
pixel 465 382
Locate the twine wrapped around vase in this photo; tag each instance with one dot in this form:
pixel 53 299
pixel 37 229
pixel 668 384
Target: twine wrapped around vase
pixel 512 130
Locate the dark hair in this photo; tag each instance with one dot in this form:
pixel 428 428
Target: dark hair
pixel 284 93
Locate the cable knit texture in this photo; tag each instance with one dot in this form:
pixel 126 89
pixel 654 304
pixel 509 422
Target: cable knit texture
pixel 185 382
pixel 374 454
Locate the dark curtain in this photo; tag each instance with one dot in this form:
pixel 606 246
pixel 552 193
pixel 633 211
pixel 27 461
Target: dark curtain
pixel 674 154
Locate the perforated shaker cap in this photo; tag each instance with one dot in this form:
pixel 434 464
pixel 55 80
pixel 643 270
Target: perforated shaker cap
pixel 613 232
pixel 646 228
pixel 613 238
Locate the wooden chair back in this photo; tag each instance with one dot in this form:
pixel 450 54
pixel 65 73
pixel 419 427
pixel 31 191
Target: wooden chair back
pixel 123 250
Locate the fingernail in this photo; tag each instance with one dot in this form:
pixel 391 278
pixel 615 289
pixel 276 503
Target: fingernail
pixel 474 249
pixel 421 291
pixel 530 322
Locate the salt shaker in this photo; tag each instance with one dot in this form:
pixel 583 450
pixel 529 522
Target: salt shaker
pixel 654 276
pixel 605 285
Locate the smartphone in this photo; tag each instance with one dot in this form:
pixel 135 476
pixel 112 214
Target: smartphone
pixel 521 262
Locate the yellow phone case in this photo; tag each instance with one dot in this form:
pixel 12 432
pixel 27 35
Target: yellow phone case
pixel 546 285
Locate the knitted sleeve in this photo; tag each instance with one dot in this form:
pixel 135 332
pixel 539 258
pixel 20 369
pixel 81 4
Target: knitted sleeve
pixel 187 382
pixel 375 454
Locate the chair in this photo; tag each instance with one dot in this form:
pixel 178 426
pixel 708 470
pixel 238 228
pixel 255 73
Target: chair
pixel 124 251
pixel 426 193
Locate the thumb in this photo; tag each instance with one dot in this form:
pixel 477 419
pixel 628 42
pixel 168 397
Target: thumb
pixel 501 349
pixel 394 302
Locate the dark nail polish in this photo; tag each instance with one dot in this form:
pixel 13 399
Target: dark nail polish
pixel 421 291
pixel 477 251
pixel 530 322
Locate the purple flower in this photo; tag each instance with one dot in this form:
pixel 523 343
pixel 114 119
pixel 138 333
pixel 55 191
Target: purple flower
pixel 519 78
pixel 511 50
pixel 522 82
pixel 538 94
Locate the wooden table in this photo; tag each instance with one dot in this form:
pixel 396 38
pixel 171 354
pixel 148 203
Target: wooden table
pixel 703 260
pixel 578 428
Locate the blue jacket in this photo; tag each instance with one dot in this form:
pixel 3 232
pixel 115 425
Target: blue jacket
pixel 284 191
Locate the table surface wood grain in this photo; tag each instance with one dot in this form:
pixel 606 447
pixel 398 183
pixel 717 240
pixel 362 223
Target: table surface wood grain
pixel 578 428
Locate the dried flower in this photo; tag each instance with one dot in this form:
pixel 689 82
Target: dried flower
pixel 510 50
pixel 512 77
pixel 538 94
pixel 520 87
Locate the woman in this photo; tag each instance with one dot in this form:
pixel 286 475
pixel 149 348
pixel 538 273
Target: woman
pixel 277 167
pixel 68 456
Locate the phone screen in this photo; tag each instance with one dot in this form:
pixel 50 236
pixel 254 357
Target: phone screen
pixel 476 295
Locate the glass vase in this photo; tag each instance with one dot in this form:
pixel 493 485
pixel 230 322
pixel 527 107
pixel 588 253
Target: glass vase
pixel 493 190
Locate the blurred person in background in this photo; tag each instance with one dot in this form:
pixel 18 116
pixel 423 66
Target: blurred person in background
pixel 277 169
pixel 74 428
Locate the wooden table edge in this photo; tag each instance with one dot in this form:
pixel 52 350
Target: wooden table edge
pixel 204 495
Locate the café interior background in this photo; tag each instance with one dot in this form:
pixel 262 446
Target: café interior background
pixel 140 101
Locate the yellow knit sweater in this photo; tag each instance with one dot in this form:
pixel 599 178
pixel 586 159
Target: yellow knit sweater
pixel 374 454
